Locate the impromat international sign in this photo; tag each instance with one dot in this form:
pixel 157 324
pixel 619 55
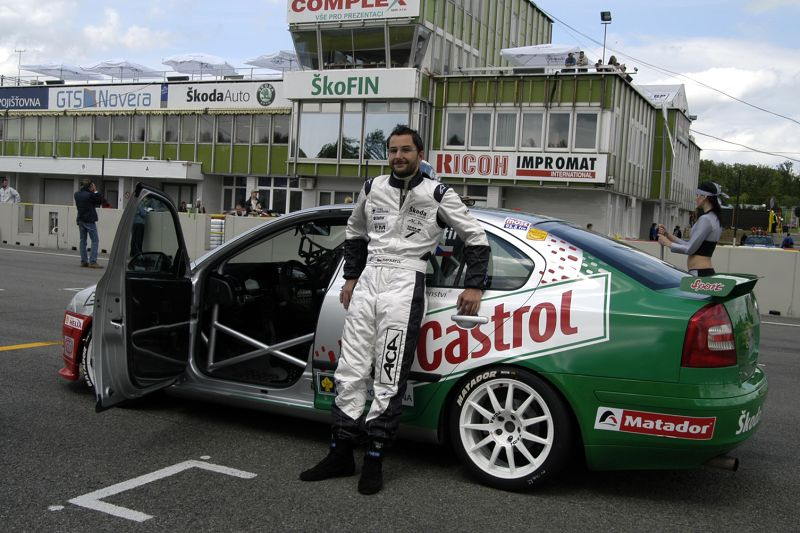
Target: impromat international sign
pixel 350 10
pixel 530 166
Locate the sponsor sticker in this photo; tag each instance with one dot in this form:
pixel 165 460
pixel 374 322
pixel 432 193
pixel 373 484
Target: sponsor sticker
pixel 536 234
pixel 657 424
pixel 73 321
pixel 515 223
pixel 748 421
pixel 326 386
pixel 69 347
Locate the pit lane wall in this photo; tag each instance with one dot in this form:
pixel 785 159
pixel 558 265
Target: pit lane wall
pixel 54 227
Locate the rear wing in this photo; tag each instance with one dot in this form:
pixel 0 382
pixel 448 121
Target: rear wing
pixel 720 286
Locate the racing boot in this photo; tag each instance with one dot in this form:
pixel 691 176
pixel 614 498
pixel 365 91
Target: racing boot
pixel 371 480
pixel 338 463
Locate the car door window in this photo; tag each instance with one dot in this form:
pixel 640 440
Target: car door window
pixel 509 268
pixel 154 238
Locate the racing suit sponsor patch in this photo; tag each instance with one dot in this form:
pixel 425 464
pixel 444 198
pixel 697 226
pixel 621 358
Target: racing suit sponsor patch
pixel 391 359
pixel 657 424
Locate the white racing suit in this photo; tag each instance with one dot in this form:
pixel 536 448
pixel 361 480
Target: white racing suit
pixel 395 226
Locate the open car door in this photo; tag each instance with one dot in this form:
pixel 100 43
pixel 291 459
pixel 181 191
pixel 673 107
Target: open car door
pixel 142 303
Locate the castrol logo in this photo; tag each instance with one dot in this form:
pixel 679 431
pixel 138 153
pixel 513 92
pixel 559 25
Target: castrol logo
pixel 523 325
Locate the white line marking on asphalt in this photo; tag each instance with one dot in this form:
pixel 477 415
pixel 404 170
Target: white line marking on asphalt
pixel 46 253
pixel 73 289
pixel 55 508
pixel 92 500
pixel 781 324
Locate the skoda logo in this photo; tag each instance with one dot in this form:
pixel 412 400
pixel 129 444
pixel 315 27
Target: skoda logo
pixel 265 94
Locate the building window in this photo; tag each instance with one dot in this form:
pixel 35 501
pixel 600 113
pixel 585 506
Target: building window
pixel 456 129
pixel 47 129
pixel 205 133
pixel 12 129
pixel 139 127
pixel 586 131
pixel 155 129
pixel 479 193
pixel 480 130
pixel 224 128
pixel 102 125
pixel 505 135
pixel 234 191
pixel 319 130
pixel 188 128
pixel 380 120
pixel 558 131
pixel 280 129
pixel 370 48
pixel 423 38
pixel 337 197
pixel 337 49
pixel 83 129
pixel 305 44
pixel 121 128
pixel 351 130
pixel 65 125
pixel 286 195
pixel 401 39
pixel 172 124
pixel 242 130
pixel 30 126
pixel 179 193
pixel 532 130
pixel 261 125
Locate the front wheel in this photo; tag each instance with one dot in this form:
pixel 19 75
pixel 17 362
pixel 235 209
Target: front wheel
pixel 510 428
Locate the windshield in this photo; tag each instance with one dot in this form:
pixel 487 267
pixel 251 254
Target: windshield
pixel 766 241
pixel 646 269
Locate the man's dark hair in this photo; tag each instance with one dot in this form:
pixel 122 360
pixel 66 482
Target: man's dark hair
pixel 86 183
pixel 402 129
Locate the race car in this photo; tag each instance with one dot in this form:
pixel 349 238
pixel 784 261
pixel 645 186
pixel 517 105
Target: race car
pixel 581 342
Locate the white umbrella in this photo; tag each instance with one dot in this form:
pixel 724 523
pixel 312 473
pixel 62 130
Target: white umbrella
pixel 62 71
pixel 540 55
pixel 200 64
pixel 282 60
pixel 121 68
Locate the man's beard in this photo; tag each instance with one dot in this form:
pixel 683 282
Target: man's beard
pixel 406 173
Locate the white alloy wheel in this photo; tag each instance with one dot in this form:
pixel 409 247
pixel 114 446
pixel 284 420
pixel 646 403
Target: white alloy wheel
pixel 512 428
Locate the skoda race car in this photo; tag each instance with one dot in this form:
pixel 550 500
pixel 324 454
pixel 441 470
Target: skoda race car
pixel 580 340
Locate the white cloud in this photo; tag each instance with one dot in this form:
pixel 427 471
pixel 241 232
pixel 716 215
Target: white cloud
pixel 760 6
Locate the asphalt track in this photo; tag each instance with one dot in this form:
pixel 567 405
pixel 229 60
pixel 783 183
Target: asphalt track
pixel 202 467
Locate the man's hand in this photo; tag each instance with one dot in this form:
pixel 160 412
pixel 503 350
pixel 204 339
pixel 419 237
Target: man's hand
pixel 347 292
pixel 664 241
pixel 469 301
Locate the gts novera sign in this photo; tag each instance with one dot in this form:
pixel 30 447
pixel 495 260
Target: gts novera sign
pixel 364 84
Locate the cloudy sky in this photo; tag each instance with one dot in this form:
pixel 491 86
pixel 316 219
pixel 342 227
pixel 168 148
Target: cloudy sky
pixel 748 49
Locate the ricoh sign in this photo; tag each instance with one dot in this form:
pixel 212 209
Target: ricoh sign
pixel 537 166
pixel 350 10
pixel 361 84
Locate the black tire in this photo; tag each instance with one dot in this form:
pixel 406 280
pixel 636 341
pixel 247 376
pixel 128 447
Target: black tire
pixel 87 360
pixel 490 434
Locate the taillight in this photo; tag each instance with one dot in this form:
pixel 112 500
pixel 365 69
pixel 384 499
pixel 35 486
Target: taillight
pixel 709 339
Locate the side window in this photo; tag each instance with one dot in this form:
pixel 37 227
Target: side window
pixel 154 238
pixel 509 268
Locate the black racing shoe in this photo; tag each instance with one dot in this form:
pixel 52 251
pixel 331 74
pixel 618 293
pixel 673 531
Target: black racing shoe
pixel 371 480
pixel 338 463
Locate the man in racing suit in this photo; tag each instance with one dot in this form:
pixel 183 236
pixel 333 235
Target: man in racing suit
pixel 396 223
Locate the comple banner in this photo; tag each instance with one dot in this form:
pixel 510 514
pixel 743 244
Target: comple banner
pixel 301 11
pixel 532 166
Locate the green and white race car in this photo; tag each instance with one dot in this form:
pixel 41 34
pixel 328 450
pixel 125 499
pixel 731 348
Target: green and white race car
pixel 582 342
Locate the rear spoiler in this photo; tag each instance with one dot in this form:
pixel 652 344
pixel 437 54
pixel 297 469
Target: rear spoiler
pixel 723 286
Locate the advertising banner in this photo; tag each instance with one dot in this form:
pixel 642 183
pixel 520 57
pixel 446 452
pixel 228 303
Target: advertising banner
pixel 533 166
pixel 227 95
pixel 349 10
pixel 106 97
pixel 361 84
pixel 23 98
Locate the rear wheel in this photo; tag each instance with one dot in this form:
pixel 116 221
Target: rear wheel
pixel 87 360
pixel 510 428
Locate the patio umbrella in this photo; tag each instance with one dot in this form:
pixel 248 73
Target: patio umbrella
pixel 121 68
pixel 62 71
pixel 200 64
pixel 282 60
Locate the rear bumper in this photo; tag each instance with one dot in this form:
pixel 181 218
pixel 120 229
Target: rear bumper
pixel 675 426
pixel 74 331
